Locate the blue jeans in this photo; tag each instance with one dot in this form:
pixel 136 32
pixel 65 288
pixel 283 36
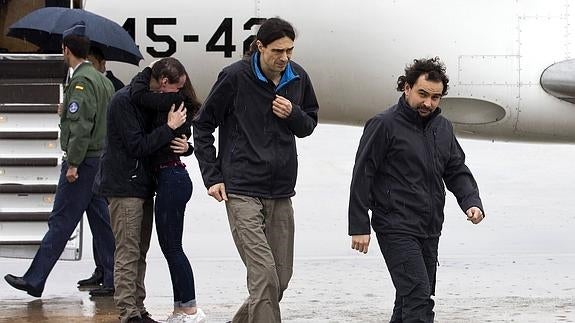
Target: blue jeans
pixel 70 202
pixel 173 193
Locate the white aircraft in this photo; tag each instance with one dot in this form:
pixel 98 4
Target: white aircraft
pixel 509 61
pixel 511 77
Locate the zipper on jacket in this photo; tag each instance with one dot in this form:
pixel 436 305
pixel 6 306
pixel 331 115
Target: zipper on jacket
pixel 429 173
pixel 134 172
pixel 436 149
pixel 274 164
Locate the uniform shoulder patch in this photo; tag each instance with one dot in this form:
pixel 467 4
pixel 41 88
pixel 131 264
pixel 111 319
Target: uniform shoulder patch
pixel 79 87
pixel 73 107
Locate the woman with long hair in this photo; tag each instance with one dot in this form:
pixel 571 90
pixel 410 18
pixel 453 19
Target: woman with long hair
pixel 150 91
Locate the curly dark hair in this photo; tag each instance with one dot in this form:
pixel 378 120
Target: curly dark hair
pixel 433 67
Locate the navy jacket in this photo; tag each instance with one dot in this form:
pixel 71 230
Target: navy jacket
pixel 257 150
pixel 400 169
pixel 124 168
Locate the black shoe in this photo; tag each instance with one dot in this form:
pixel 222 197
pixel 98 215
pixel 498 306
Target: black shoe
pixel 135 319
pixel 147 319
pixel 102 292
pixel 21 284
pixel 95 280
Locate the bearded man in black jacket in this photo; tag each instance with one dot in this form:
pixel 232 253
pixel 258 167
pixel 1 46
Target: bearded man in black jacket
pixel 406 157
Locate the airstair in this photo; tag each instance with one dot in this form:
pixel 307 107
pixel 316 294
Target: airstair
pixel 30 156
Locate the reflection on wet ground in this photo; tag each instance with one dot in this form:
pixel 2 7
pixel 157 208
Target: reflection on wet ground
pixel 493 288
pixel 59 309
pixel 516 266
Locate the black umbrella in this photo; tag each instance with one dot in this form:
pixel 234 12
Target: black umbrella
pixel 44 28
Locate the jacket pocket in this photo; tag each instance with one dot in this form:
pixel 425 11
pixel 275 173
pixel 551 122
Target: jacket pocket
pixel 64 136
pixel 441 150
pixel 134 172
pixel 387 200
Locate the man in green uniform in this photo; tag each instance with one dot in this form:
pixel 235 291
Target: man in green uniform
pixel 82 133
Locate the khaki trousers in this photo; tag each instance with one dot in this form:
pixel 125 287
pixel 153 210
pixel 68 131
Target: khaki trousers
pixel 263 231
pixel 132 220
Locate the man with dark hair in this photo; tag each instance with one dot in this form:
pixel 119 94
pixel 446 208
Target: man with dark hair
pixel 260 105
pixel 97 59
pixel 125 180
pixel 405 156
pixel 82 132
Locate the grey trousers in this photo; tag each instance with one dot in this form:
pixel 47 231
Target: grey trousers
pixel 132 220
pixel 263 231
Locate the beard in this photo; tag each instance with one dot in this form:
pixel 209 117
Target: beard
pixel 424 111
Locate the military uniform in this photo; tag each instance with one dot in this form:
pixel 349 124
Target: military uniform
pixel 83 120
pixel 82 134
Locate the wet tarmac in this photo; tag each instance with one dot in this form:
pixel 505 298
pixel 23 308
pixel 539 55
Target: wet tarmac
pixel 517 266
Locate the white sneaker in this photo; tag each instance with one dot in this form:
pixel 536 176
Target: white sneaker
pixel 175 318
pixel 199 317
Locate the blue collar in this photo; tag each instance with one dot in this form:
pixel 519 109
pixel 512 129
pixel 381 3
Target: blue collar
pixel 287 76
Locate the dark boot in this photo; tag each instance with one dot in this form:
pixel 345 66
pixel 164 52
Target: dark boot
pixel 95 280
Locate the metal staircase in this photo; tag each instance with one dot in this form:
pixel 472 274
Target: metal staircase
pixel 30 155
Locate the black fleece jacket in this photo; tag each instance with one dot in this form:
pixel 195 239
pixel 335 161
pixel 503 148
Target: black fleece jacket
pixel 400 169
pixel 124 167
pixel 257 153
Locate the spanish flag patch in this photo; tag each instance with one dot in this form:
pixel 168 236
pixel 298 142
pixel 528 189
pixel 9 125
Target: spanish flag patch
pixel 79 87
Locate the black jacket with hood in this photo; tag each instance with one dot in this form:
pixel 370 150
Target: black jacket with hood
pixel 155 106
pixel 257 150
pixel 124 167
pixel 400 169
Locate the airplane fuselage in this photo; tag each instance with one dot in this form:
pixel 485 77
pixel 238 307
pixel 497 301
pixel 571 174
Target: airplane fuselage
pixel 495 53
pixel 509 62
